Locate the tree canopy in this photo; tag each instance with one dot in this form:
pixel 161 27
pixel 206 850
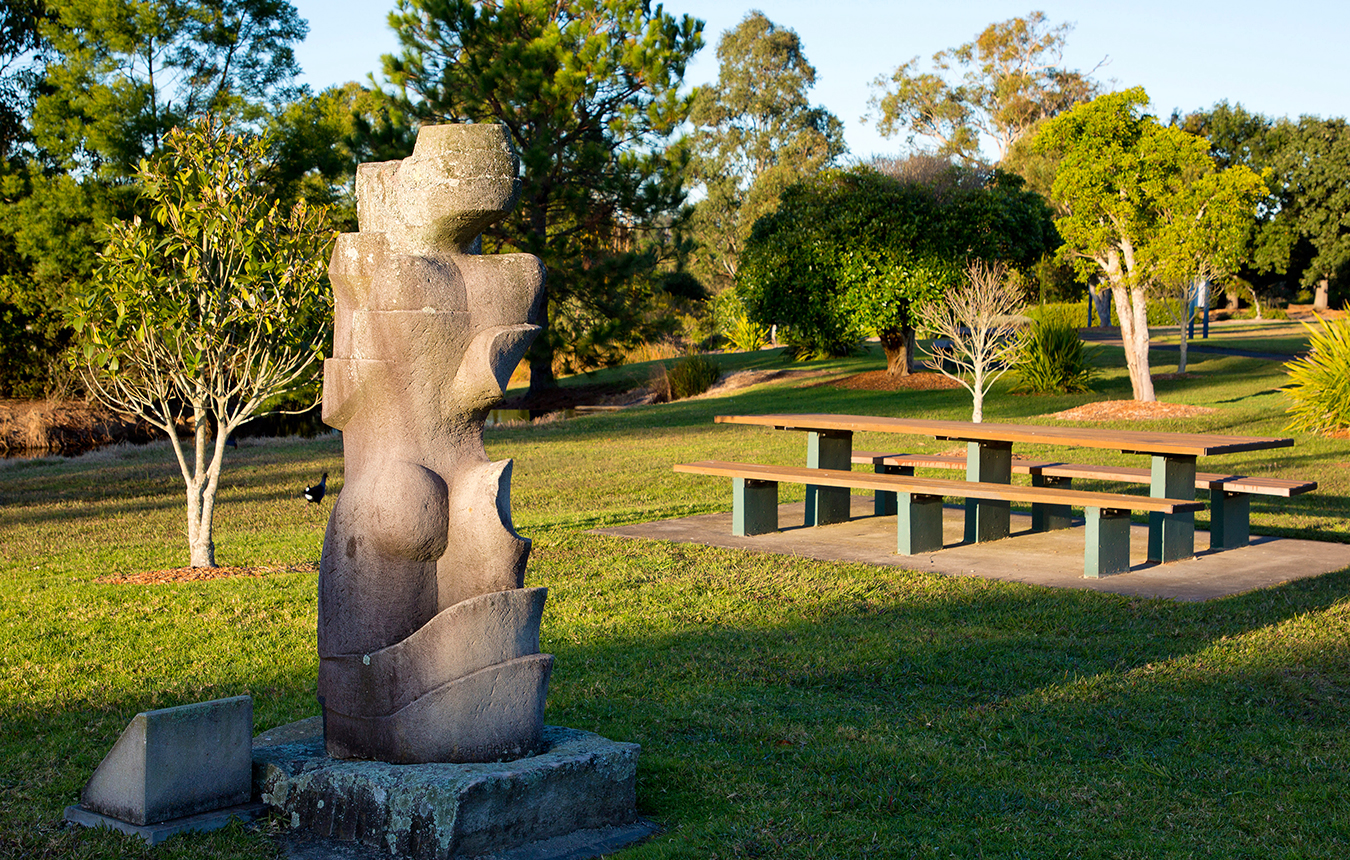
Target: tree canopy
pixel 589 92
pixel 755 132
pixel 1011 80
pixel 856 252
pixel 1146 208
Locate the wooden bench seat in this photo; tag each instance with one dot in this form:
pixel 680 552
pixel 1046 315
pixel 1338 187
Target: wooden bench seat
pixel 1230 495
pixel 919 505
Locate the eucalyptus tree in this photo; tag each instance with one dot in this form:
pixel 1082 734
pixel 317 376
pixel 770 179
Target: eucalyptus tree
pixel 590 94
pixel 755 133
pixel 1012 78
pixel 1145 208
pixel 207 309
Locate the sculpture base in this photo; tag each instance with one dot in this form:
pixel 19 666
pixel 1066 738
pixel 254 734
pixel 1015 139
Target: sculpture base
pixel 580 791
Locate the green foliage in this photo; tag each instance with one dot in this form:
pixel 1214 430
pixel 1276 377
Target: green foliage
pixel 851 253
pixel 1012 81
pixel 216 305
pixel 687 377
pixel 745 335
pixel 589 92
pixel 754 134
pixel 1319 383
pixel 1312 182
pixel 1070 314
pixel 1054 359
pixel 1145 208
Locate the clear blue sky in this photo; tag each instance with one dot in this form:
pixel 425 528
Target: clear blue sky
pixel 1278 58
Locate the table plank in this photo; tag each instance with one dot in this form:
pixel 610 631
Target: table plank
pixel 1127 441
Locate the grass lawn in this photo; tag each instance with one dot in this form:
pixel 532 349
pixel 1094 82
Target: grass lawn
pixel 785 707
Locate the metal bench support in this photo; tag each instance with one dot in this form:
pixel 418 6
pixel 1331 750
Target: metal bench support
pixel 918 524
pixel 1107 547
pixel 988 519
pixel 1171 537
pixel 1229 519
pixel 1046 518
pixel 828 450
pixel 754 507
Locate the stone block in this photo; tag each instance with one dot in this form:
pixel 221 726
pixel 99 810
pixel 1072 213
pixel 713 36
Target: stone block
pixel 581 788
pixel 176 762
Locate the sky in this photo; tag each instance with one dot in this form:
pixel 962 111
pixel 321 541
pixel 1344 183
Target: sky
pixel 1277 58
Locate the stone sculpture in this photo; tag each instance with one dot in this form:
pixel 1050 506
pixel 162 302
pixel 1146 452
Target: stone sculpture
pixel 428 641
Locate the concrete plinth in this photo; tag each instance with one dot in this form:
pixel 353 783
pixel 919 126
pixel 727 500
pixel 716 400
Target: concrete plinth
pixel 581 786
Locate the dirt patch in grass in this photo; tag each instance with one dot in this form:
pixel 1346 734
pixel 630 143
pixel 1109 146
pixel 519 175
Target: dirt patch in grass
pixel 199 574
pixel 1131 410
pixel 880 380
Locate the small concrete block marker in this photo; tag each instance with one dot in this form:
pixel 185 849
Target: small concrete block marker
pixel 174 769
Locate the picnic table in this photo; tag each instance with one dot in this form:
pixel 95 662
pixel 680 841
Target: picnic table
pixel 1172 456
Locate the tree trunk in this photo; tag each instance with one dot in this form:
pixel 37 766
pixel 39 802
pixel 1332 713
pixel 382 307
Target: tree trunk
pixel 540 356
pixel 899 348
pixel 1230 301
pixel 1132 310
pixel 1320 297
pixel 1101 303
pixel 1181 349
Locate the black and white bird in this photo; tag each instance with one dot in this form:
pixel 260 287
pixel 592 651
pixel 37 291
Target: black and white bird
pixel 315 493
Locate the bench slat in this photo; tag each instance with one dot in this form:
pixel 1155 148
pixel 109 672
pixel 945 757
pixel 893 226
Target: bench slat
pixel 937 486
pixel 1255 485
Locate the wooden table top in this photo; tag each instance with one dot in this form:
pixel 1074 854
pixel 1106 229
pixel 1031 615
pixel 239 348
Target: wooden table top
pixel 1127 441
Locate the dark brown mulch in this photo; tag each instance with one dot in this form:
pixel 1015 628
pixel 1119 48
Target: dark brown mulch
pixel 880 380
pixel 198 574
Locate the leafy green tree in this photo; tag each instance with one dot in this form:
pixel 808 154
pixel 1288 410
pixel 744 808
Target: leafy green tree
pixel 858 252
pixel 1012 80
pixel 21 45
pixel 115 75
pixel 1146 209
pixel 213 306
pixel 1312 182
pixel 588 91
pixel 755 133
pixel 124 72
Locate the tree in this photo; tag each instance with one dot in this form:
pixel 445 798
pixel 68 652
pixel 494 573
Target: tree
pixel 982 336
pixel 1145 208
pixel 208 310
pixel 114 76
pixel 1012 81
pixel 21 45
pixel 1312 182
pixel 124 72
pixel 857 252
pixel 755 133
pixel 588 91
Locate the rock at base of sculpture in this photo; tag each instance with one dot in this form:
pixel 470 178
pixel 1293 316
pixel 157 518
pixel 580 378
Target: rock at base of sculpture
pixel 578 794
pixel 428 639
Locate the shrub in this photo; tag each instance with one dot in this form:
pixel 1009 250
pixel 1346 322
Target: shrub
pixel 686 378
pixel 745 335
pixel 1320 381
pixel 1072 314
pixel 1054 359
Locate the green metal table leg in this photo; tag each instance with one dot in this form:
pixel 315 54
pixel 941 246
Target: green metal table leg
pixel 1171 537
pixel 828 450
pixel 1107 549
pixel 883 501
pixel 1229 519
pixel 988 519
pixel 918 523
pixel 754 507
pixel 1046 517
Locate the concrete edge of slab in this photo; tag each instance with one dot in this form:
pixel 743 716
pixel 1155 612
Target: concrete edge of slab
pixel 154 834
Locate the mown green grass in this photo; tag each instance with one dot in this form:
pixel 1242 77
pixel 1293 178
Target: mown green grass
pixel 785 707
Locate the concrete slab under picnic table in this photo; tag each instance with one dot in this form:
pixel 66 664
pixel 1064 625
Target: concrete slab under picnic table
pixel 1053 559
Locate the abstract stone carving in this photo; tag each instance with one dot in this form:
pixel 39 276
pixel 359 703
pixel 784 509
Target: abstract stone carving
pixel 428 641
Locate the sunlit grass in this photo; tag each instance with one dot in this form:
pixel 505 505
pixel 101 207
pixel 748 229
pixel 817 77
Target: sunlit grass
pixel 785 707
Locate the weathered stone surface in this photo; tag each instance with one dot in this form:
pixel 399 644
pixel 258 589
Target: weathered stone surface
pixel 437 811
pixel 412 665
pixel 176 762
